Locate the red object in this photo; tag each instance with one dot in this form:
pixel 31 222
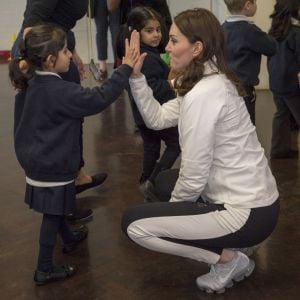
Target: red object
pixel 4 55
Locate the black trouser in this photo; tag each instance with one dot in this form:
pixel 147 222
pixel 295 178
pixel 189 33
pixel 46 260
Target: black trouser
pixel 104 19
pixel 281 127
pixel 152 142
pixel 250 100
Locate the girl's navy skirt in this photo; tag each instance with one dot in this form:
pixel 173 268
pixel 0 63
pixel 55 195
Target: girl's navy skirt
pixel 58 200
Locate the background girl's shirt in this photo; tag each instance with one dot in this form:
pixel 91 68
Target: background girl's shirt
pixel 156 73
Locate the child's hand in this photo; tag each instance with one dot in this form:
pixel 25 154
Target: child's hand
pixel 132 56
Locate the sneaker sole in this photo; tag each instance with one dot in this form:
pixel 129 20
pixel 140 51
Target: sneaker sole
pixel 239 277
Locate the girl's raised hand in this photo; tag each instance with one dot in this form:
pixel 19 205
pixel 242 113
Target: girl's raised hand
pixel 132 54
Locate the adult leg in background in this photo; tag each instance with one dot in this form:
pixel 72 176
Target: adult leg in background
pixel 114 27
pixel 101 21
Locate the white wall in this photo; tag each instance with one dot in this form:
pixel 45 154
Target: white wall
pixel 177 6
pixel 11 15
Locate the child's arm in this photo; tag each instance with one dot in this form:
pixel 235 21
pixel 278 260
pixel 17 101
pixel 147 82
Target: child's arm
pixel 261 42
pixel 81 102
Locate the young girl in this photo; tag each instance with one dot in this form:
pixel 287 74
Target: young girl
pixel 225 195
pixel 284 69
pixel 48 114
pixel 148 23
pixel 65 14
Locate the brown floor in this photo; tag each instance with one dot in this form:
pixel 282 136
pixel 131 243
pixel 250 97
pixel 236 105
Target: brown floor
pixel 109 265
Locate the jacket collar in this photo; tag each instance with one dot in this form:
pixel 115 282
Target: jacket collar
pixel 238 18
pixel 44 73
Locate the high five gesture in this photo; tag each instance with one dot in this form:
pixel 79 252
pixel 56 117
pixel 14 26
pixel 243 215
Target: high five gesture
pixel 133 57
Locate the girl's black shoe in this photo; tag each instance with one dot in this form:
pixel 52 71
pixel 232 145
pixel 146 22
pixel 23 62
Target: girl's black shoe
pixel 57 273
pixel 80 234
pixel 80 215
pixel 96 180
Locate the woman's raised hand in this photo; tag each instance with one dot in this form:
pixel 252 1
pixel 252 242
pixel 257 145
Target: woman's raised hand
pixel 132 56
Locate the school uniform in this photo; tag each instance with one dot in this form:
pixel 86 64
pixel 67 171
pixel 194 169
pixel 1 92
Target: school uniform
pixel 46 134
pixel 283 69
pixel 62 13
pixel 245 43
pixel 156 72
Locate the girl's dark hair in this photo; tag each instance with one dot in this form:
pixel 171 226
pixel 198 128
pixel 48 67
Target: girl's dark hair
pixel 201 25
pixel 40 42
pixel 284 10
pixel 137 20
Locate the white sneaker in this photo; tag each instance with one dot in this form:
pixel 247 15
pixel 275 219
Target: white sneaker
pixel 221 276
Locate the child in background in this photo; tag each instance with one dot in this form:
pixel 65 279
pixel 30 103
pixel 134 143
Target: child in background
pixel 284 69
pixel 148 23
pixel 48 115
pixel 245 43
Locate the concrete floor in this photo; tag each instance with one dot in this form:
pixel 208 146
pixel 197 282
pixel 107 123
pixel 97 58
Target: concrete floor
pixel 109 265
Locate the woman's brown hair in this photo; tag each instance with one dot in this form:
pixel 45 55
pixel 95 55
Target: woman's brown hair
pixel 201 25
